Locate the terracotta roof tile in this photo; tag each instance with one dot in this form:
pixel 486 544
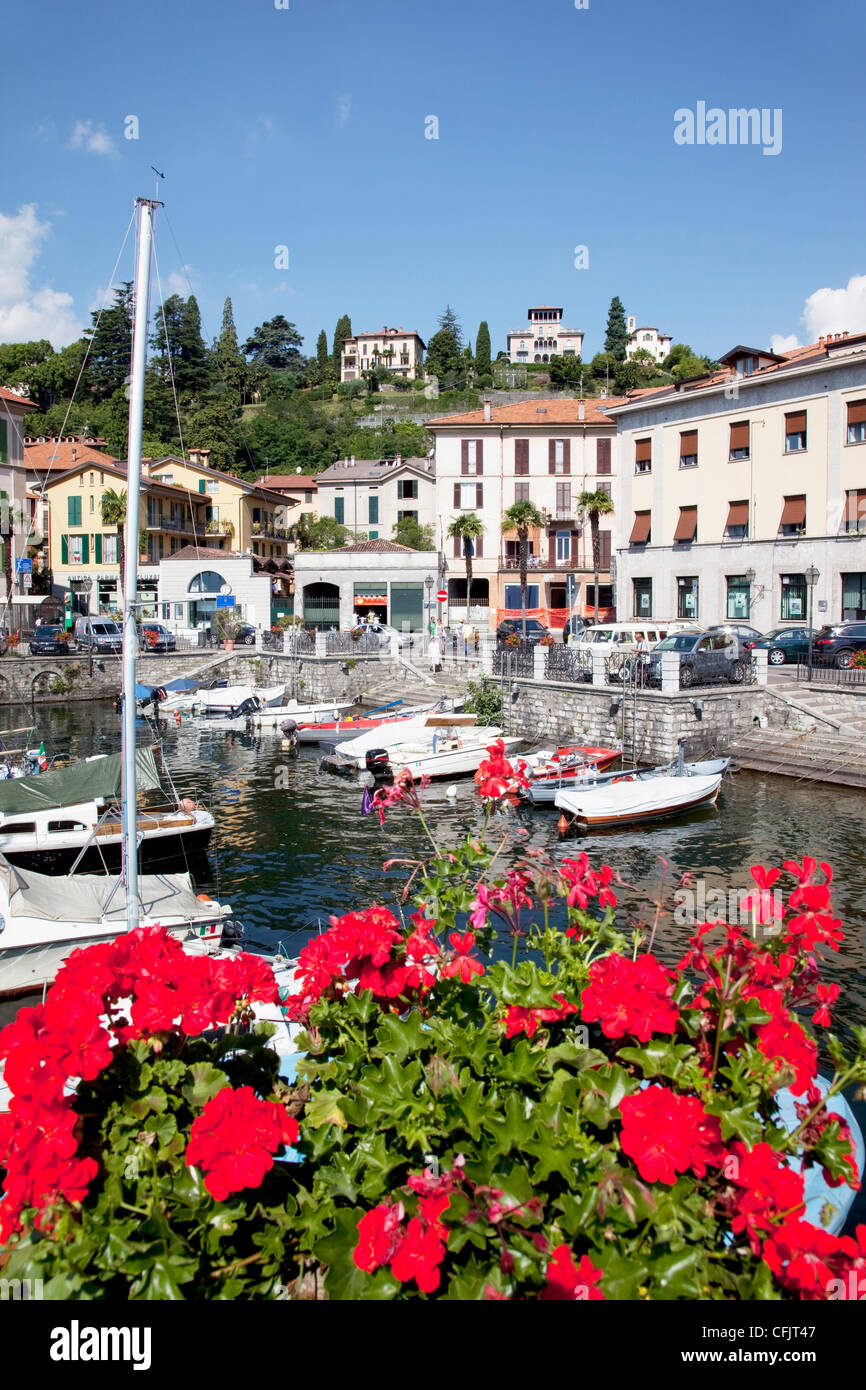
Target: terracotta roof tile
pixel 60 456
pixel 15 399
pixel 375 548
pixel 549 412
pixel 205 552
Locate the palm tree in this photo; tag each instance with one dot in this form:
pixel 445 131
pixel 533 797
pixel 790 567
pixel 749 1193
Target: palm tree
pixel 114 514
pixel 11 519
pixel 468 527
pixel 519 517
pixel 595 504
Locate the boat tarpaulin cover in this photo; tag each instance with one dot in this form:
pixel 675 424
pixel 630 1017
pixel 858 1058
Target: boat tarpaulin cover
pixel 181 684
pixel 95 779
pixel 82 897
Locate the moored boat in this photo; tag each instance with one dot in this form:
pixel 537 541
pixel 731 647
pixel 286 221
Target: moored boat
pixel 642 794
pixel 549 771
pixel 448 753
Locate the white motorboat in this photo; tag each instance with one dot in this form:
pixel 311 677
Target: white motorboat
pixel 448 752
pixel 332 729
pixel 623 798
pixel 69 818
pixel 421 727
pixel 222 698
pixel 46 918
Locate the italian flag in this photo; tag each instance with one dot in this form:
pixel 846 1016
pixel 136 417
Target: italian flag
pixel 43 760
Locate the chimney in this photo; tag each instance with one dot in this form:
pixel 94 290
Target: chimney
pixel 74 452
pixel 580 410
pixel 487 412
pixel 352 461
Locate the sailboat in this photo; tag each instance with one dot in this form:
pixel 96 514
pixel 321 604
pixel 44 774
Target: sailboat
pixel 43 918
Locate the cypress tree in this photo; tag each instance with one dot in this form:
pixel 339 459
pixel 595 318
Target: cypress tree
pixel 229 358
pixel 342 330
pixel 616 337
pixel 193 371
pixel 322 355
pixel 482 350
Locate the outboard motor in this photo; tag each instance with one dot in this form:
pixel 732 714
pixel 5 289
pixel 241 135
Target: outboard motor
pixel 246 708
pixel 289 730
pixel 376 761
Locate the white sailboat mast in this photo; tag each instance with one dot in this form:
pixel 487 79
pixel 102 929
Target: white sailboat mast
pixel 146 209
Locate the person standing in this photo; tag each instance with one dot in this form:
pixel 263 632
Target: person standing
pixel 467 637
pixel 434 653
pixel 643 656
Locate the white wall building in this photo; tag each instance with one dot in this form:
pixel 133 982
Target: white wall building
pixel 194 577
pixel 646 339
pixel 731 487
pixel 544 337
pixel 391 581
pixel 401 350
pixel 370 495
pixel 13 483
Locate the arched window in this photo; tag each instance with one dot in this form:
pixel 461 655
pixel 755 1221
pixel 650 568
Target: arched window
pixel 206 582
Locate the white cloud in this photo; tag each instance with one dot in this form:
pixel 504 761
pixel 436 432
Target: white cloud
pixel 95 139
pixel 835 311
pixel 27 313
pixel 828 311
pixel 344 108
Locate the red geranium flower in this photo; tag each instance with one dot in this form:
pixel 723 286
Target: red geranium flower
pixel 380 1233
pixel 463 964
pixel 630 996
pixel 568 1282
pixel 234 1139
pixel 419 1256
pixel 767 1187
pixel 667 1133
pixel 801 1256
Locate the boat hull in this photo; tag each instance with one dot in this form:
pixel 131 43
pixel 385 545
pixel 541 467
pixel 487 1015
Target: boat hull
pixel 160 851
pixel 630 802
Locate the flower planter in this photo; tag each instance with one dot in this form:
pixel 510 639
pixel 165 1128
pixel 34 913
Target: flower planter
pixel 229 644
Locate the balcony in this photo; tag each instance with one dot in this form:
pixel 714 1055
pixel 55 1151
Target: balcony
pixel 171 523
pixel 220 528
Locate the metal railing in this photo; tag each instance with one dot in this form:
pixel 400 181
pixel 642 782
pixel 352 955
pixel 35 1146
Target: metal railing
pixel 567 664
pixel 514 662
pixel 831 675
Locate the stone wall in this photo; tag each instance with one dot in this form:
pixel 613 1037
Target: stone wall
pixel 553 712
pixel 43 680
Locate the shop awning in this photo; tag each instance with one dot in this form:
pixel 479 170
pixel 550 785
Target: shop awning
pixel 738 515
pixel 371 598
pixel 794 512
pixel 640 532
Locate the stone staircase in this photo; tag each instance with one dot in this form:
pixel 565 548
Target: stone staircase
pixel 842 711
pixel 816 755
pixel 417 687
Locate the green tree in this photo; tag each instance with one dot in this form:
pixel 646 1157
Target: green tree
pixel 409 531
pixel 343 330
pixel 616 337
pixel 213 425
pixel 23 367
pixel 193 374
pixel 110 338
pixel 443 356
pixel 167 334
pixel 113 513
pixel 323 357
pixel 275 345
pixel 230 362
pixel 566 370
pixel 482 351
pixel 519 517
pixel 683 362
pixel 449 323
pixel 595 504
pixel 468 527
pixel 324 534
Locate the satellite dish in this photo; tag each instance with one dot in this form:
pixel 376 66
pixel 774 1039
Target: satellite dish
pixel 297 470
pixel 226 589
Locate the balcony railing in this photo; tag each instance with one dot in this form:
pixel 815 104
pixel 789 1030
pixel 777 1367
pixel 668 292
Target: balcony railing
pixel 170 523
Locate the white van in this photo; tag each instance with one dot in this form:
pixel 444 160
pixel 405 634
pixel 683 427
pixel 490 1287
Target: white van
pixel 623 636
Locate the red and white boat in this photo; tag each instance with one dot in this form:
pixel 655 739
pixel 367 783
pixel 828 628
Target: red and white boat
pixel 334 730
pixel 551 772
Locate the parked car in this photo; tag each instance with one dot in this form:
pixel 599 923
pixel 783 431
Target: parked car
pixel 385 632
pixel 535 630
pixel 574 629
pixel 98 634
pixel 245 635
pixel 747 635
pixel 156 638
pixel 704 657
pixel 782 644
pixel 836 644
pixel 49 641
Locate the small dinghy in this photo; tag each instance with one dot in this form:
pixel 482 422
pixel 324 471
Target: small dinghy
pixel 624 798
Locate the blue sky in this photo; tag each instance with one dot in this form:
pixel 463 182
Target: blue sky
pixel 305 127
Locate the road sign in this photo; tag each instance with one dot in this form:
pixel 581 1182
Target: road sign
pixel 442 596
pixel 225 601
pixel 24 566
pixel 27 580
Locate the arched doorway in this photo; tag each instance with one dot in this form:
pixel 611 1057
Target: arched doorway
pixel 202 596
pixel 321 606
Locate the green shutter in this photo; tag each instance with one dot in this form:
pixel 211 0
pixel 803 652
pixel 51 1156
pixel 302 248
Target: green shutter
pixel 374 509
pixel 339 510
pixel 4 457
pixel 73 511
pixel 202 485
pixel 85 549
pixel 97 548
pixel 64 550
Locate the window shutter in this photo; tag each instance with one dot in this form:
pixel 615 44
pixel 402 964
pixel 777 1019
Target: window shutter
pixel 479 547
pixel 521 456
pixel 551 455
pixel 64 550
pixel 479 456
pixel 73 511
pixel 457 494
pixel 464 456
pixel 643 450
pixel 688 443
pixel 604 550
pixel 97 548
pixel 640 531
pixel 551 548
pixel 740 435
pixel 687 526
pixel 856 413
pixel 4 443
pixel 202 485
pixel 456 547
pixel 566 455
pixel 479 495
pixel 795 423
pixel 85 549
pixel 602 456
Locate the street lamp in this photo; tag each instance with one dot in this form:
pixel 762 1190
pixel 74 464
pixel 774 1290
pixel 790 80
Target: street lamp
pixel 428 585
pixel 812 577
pixel 750 577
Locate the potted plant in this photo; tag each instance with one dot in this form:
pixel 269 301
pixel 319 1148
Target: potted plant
pixel 547 640
pixel 226 624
